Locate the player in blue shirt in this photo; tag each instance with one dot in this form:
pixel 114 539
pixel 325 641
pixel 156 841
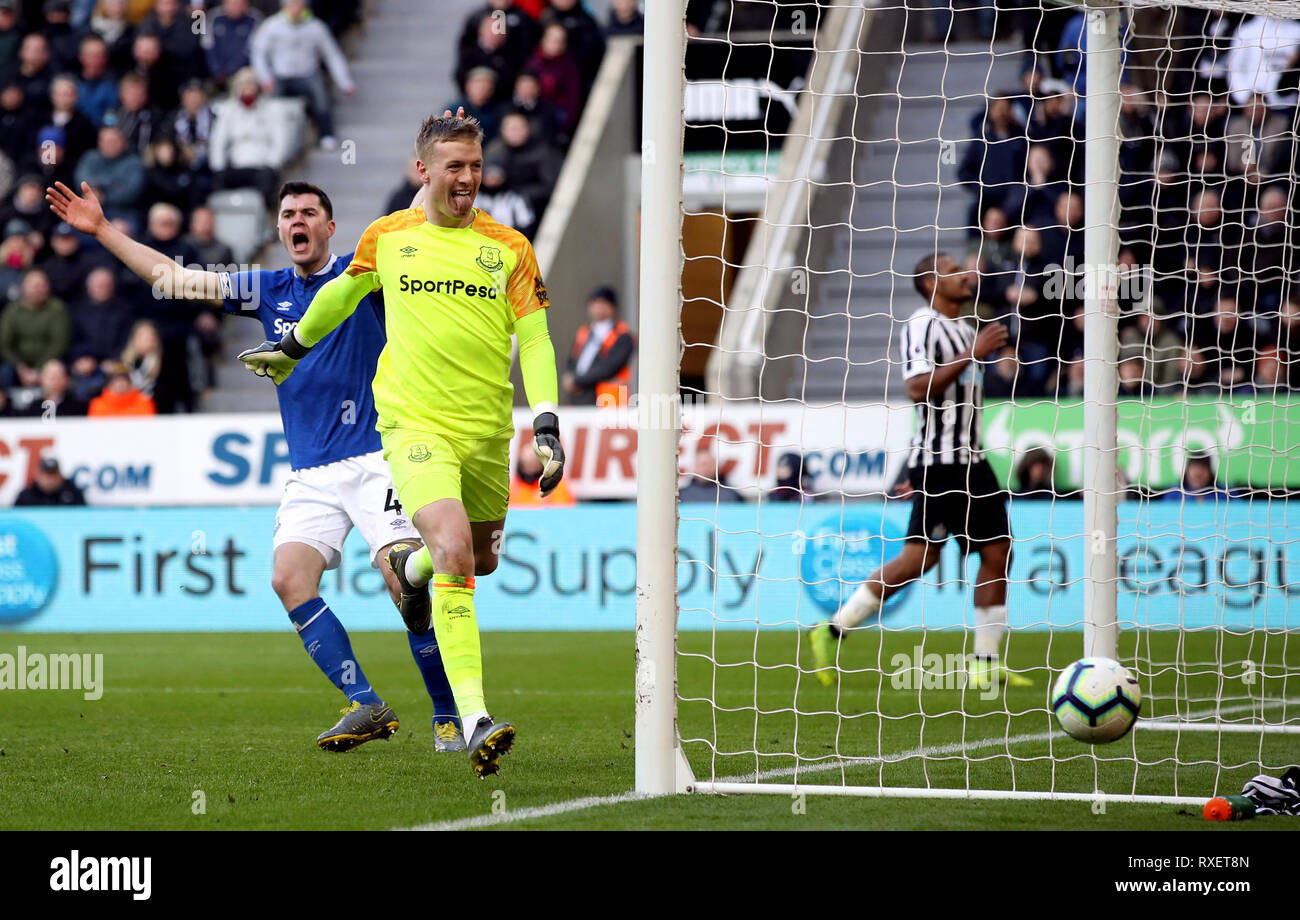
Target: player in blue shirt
pixel 339 477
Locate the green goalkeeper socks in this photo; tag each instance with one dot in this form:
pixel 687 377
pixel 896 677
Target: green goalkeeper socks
pixel 456 626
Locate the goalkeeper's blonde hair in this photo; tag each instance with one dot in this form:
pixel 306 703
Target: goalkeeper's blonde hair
pixel 438 128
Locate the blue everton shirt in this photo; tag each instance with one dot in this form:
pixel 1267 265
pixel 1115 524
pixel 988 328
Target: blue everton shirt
pixel 326 405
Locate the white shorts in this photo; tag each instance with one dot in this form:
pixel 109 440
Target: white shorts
pixel 322 504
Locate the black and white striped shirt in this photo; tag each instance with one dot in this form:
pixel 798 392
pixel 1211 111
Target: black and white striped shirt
pixel 948 424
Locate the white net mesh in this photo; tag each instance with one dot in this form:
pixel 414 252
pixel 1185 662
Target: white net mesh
pixel 831 148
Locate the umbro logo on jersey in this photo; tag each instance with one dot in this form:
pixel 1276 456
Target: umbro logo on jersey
pixel 408 251
pixel 284 305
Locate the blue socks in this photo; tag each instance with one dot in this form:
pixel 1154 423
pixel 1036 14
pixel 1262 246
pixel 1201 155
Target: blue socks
pixel 327 643
pixel 429 659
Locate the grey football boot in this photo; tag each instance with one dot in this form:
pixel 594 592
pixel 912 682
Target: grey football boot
pixel 487 742
pixel 361 722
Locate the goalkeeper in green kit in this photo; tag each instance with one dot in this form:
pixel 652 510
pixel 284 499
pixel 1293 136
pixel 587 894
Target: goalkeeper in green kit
pixel 456 285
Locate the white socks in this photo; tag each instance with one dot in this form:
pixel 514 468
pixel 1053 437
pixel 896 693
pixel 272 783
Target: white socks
pixel 990 624
pixel 469 724
pixel 861 604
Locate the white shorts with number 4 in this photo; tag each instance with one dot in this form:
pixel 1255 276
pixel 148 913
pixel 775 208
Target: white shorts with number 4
pixel 322 504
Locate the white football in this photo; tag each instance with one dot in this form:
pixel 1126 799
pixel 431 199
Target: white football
pixel 1096 700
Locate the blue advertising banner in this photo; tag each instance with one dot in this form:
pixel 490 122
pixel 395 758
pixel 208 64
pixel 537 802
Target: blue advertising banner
pixel 741 566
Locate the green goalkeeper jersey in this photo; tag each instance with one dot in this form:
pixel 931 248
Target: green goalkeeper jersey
pixel 452 297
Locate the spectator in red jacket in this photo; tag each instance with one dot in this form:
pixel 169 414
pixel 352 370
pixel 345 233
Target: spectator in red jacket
pixel 558 78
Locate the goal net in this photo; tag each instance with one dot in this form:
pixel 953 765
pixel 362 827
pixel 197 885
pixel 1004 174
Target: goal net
pixel 1114 184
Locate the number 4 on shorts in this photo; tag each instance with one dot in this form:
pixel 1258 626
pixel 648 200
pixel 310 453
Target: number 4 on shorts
pixel 391 503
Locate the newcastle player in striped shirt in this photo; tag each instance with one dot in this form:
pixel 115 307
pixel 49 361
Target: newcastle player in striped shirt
pixel 954 491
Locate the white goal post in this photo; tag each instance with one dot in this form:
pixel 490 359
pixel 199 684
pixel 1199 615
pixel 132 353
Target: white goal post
pixel 658 754
pixel 1100 333
pixel 1218 658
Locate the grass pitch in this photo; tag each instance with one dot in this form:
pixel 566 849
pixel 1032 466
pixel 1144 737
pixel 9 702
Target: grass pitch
pixel 228 722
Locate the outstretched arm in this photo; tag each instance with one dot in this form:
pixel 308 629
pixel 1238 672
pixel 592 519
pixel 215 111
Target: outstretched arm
pixel 169 278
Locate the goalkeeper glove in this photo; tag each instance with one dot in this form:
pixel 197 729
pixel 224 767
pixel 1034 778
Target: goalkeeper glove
pixel 546 441
pixel 275 359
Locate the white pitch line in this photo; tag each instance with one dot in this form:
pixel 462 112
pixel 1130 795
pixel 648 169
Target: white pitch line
pixel 937 750
pixel 525 814
pixel 560 808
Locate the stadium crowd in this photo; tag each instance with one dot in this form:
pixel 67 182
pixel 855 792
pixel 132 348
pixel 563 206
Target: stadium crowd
pixel 1208 208
pixel 525 69
pixel 122 94
pixel 154 114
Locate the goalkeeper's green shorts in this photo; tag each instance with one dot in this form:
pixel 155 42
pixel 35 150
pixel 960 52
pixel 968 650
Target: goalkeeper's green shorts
pixel 429 467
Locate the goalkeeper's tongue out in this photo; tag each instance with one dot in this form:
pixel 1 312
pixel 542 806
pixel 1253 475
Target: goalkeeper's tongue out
pixel 460 199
